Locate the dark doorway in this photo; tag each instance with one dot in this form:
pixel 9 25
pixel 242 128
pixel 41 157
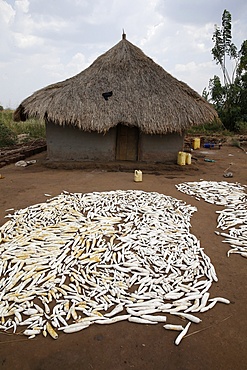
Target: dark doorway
pixel 127 143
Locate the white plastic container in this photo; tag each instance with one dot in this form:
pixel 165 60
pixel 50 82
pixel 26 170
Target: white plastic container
pixel 137 176
pixel 188 158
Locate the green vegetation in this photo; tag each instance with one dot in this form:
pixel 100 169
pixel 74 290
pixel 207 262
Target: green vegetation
pixel 9 130
pixel 230 97
pixel 7 136
pixel 209 129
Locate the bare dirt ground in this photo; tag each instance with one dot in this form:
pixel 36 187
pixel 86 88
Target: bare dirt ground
pixel 218 342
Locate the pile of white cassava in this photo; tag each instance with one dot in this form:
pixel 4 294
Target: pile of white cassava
pixel 233 218
pixel 98 258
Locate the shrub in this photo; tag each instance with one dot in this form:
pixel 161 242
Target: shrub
pixel 207 128
pixel 241 127
pixel 7 136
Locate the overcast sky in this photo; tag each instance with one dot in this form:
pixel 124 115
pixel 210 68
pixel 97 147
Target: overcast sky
pixel 46 41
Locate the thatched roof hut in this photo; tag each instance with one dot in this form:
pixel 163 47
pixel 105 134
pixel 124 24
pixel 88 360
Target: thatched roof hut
pixel 122 86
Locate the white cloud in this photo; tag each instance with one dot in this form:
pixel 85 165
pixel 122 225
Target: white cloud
pixel 59 71
pixel 77 63
pixel 197 74
pixel 26 41
pixel 22 5
pixel 50 40
pixel 7 13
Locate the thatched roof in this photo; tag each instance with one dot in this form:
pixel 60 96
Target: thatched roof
pixel 143 95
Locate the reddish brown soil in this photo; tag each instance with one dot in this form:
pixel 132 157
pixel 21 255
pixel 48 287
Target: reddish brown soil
pixel 218 342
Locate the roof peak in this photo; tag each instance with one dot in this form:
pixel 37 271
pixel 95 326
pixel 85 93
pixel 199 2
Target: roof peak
pixel 123 35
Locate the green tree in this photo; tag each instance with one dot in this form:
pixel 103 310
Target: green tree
pixel 224 47
pixel 229 98
pixel 241 80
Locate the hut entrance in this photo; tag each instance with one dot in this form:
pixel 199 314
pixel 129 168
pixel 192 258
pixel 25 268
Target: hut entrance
pixel 127 143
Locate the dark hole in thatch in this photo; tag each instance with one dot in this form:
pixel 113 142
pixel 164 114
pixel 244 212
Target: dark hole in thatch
pixel 107 95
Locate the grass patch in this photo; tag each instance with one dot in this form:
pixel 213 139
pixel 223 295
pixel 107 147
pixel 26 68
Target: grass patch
pixel 9 130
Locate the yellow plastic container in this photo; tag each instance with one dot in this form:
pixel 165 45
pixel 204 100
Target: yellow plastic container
pixel 137 176
pixel 188 158
pixel 196 143
pixel 181 160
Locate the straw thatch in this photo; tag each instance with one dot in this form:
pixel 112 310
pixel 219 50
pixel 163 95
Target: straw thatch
pixel 143 95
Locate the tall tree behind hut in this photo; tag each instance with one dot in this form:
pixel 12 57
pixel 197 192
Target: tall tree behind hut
pixel 230 97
